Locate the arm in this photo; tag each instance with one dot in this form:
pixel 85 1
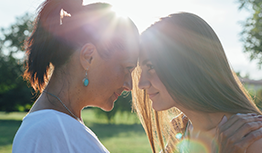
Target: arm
pixel 238 133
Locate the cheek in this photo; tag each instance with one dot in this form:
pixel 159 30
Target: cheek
pixel 169 101
pixel 115 75
pixel 156 83
pixel 163 91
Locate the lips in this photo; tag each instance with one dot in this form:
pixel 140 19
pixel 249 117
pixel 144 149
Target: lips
pixel 152 95
pixel 117 94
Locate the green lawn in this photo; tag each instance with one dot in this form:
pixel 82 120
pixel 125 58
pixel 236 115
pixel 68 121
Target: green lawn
pixel 125 136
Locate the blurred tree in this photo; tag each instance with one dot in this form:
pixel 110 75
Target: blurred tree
pixel 122 105
pixel 15 95
pixel 252 32
pixel 258 99
pixel 12 38
pixel 246 76
pixel 238 74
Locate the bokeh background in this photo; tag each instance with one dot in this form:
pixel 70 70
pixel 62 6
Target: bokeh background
pixel 224 16
pixel 238 24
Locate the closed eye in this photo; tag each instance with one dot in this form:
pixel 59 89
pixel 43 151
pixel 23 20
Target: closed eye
pixel 149 66
pixel 130 68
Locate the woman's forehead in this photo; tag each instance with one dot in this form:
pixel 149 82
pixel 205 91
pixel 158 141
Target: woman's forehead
pixel 127 56
pixel 143 58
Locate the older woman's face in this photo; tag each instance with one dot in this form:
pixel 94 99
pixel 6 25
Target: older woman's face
pixel 112 76
pixel 156 90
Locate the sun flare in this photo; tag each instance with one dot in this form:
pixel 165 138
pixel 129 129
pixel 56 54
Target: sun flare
pixel 120 12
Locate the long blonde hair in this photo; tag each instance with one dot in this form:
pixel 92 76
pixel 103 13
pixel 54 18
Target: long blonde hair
pixel 190 61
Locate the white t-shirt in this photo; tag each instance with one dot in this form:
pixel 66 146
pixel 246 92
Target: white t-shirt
pixel 51 131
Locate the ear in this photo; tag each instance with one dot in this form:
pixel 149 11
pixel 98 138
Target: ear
pixel 86 55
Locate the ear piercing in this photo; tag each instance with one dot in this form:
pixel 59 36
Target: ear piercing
pixel 85 80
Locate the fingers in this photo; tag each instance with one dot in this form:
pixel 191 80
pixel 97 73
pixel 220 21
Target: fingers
pixel 253 125
pixel 223 121
pixel 243 126
pixel 238 140
pixel 232 120
pixel 251 138
pixel 239 132
pixel 236 121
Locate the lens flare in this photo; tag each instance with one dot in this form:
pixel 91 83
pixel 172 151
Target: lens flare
pixel 119 12
pixel 192 145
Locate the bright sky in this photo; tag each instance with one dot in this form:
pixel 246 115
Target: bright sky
pixel 222 15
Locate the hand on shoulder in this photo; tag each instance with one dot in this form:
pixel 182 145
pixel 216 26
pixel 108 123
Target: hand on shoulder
pixel 241 133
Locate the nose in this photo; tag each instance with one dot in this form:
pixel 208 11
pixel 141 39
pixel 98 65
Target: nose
pixel 143 82
pixel 128 83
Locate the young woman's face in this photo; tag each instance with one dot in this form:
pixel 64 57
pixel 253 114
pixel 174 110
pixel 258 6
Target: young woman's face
pixel 156 90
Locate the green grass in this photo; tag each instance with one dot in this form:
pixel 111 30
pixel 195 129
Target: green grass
pixel 125 135
pixel 9 124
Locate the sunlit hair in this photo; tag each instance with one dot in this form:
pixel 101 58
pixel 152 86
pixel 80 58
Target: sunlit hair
pixel 190 61
pixel 64 26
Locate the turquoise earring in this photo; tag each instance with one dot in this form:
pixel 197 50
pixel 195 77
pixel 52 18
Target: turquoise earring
pixel 85 80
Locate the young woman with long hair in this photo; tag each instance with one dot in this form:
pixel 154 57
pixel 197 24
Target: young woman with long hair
pixel 185 77
pixel 78 56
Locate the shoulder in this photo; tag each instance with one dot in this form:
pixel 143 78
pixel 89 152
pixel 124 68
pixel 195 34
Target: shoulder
pixel 180 123
pixel 45 124
pixel 35 133
pixel 46 119
pixel 52 128
pixel 52 131
pixel 255 147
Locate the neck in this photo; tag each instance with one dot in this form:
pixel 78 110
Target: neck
pixel 205 122
pixel 68 110
pixel 62 89
pixel 203 128
pixel 57 92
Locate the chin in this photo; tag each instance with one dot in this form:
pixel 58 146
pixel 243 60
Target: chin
pixel 156 108
pixel 159 107
pixel 107 109
pixel 108 106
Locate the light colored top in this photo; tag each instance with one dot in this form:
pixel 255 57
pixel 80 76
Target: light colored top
pixel 51 131
pixel 184 143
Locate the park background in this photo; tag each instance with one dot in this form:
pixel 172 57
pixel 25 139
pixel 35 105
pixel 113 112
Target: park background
pixel 120 130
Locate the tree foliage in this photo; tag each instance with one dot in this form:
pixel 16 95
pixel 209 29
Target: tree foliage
pixel 13 37
pixel 252 32
pixel 15 95
pixel 258 99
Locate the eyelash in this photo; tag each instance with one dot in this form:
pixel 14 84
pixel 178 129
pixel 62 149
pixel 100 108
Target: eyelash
pixel 149 66
pixel 130 68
